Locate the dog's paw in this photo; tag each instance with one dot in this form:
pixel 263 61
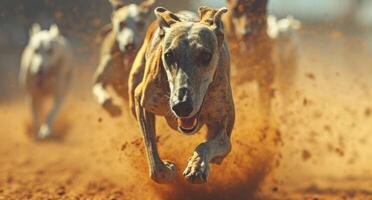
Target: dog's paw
pixel 111 108
pixel 165 173
pixel 44 132
pixel 197 170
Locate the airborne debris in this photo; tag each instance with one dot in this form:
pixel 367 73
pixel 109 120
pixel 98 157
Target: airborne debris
pixel 367 112
pixel 310 76
pixel 306 155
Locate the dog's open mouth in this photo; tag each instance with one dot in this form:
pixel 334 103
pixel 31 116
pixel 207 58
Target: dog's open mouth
pixel 188 125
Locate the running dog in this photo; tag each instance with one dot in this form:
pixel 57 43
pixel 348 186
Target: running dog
pixel 122 39
pixel 251 47
pixel 182 73
pixel 45 72
pixel 263 48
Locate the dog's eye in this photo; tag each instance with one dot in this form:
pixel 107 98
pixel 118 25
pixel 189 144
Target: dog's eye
pixel 169 57
pixel 205 57
pixel 122 25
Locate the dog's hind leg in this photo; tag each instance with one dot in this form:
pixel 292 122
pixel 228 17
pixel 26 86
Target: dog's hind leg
pixel 160 171
pixel 101 80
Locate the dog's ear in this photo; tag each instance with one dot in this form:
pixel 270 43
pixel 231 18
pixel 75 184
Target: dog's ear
pixel 116 4
pixel 35 28
pixel 166 18
pixel 213 18
pixel 146 6
pixel 54 30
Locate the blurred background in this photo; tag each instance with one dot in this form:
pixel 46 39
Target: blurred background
pixel 80 21
pixel 325 131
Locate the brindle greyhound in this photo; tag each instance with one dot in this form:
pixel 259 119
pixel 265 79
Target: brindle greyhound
pixel 257 43
pixel 122 39
pixel 186 58
pixel 251 47
pixel 45 72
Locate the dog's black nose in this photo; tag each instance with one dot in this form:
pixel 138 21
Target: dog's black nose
pixel 183 106
pixel 129 46
pixel 183 109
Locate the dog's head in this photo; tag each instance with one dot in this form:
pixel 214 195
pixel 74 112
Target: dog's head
pixel 190 55
pixel 129 24
pixel 248 16
pixel 46 48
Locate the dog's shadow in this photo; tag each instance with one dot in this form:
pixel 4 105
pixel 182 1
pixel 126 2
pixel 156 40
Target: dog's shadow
pixel 60 130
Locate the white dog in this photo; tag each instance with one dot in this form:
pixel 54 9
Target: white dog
pixel 283 33
pixel 45 72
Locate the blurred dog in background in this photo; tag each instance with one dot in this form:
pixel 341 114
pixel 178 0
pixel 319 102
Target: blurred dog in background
pixel 263 49
pixel 45 72
pixel 251 47
pixel 122 39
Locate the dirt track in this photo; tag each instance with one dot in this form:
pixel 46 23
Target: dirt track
pixel 317 147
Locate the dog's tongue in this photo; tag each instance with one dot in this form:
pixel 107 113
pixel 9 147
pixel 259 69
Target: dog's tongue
pixel 187 123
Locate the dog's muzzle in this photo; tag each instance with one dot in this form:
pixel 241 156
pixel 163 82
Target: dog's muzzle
pixel 182 109
pixel 188 125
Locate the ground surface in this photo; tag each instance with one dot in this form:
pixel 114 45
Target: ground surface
pixel 318 146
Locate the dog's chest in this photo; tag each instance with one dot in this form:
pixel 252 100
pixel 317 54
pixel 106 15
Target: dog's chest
pixel 45 81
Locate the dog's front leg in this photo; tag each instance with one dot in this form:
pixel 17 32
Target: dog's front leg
pixel 35 104
pixel 160 171
pixel 217 147
pixel 101 79
pixel 46 128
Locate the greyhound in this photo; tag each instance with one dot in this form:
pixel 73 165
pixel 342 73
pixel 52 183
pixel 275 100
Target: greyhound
pixel 182 73
pixel 45 71
pixel 122 39
pixel 251 47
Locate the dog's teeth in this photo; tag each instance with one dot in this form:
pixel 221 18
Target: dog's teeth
pixel 194 122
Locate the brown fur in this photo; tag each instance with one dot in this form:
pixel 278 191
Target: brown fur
pixel 115 62
pixel 251 47
pixel 149 88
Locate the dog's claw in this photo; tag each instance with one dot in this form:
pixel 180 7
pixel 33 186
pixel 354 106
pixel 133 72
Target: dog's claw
pixel 165 174
pixel 197 170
